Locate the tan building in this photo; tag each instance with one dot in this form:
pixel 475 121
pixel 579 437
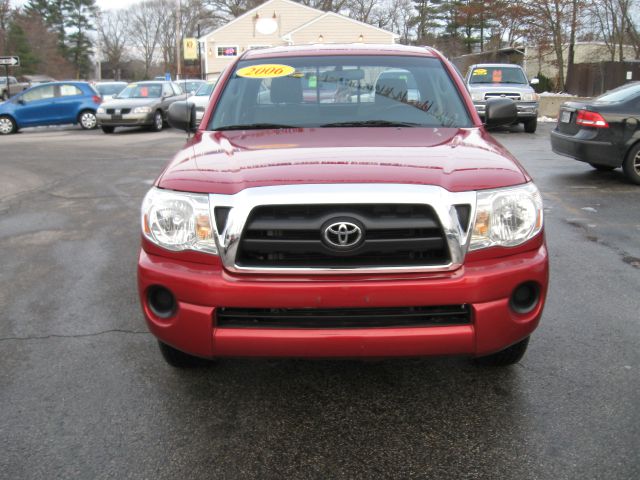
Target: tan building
pixel 284 22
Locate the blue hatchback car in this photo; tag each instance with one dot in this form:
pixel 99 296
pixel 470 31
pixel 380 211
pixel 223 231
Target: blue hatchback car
pixel 52 103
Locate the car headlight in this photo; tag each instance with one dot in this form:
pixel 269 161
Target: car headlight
pixel 101 110
pixel 477 96
pixel 530 97
pixel 507 217
pixel 142 110
pixel 178 221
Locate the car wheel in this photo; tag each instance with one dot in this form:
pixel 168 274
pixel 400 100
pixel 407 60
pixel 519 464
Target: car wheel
pixel 631 165
pixel 179 359
pixel 108 129
pixel 87 120
pixel 7 125
pixel 531 125
pixel 508 356
pixel 158 122
pixel 602 168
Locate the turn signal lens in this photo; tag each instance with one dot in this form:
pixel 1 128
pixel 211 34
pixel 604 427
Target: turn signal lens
pixel 591 119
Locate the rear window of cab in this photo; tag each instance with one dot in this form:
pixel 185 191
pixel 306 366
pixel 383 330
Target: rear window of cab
pixel 348 90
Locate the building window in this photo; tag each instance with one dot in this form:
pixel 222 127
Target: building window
pixel 227 51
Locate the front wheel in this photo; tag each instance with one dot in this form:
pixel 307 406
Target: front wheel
pixel 631 165
pixel 87 120
pixel 531 125
pixel 177 358
pixel 158 121
pixel 7 125
pixel 508 356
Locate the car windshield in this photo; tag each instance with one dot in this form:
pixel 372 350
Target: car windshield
pixel 205 89
pixel 501 74
pixel 110 88
pixel 340 91
pixel 189 85
pixel 620 94
pixel 141 90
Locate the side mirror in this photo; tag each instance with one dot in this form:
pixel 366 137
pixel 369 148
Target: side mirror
pixel 182 115
pixel 534 81
pixel 500 111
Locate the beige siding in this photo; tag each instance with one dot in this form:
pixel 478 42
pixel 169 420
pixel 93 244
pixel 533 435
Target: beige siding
pixel 336 29
pixel 242 33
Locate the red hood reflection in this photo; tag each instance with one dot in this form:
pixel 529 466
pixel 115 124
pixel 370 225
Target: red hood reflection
pixel 228 162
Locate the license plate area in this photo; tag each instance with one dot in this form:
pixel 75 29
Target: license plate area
pixel 565 116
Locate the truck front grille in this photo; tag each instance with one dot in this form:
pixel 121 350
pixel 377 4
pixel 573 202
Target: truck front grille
pixel 512 96
pixel 343 317
pixel 393 235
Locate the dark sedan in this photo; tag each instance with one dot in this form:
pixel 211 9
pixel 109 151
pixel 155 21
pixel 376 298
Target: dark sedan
pixel 139 104
pixel 604 132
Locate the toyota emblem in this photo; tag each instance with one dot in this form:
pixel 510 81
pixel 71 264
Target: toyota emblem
pixel 343 235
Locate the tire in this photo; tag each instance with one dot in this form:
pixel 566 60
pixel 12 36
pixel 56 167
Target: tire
pixel 108 129
pixel 179 359
pixel 631 165
pixel 158 121
pixel 531 125
pixel 602 168
pixel 87 119
pixel 7 125
pixel 503 358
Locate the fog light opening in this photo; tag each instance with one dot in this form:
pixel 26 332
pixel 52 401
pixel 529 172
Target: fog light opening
pixel 161 302
pixel 525 297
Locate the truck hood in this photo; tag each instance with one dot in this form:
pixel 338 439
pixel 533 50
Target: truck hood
pixel 230 161
pixel 501 88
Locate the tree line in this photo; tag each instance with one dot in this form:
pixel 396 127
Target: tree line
pixel 65 38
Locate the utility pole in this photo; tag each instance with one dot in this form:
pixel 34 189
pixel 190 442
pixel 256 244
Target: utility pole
pixel 178 39
pixel 199 56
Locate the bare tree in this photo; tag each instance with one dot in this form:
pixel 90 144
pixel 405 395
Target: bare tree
pixel 113 35
pixel 146 20
pixel 614 24
pixel 5 17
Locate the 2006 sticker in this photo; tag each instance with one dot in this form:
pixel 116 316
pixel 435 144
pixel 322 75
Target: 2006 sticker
pixel 265 71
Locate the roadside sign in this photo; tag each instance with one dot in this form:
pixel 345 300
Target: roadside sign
pixel 167 77
pixel 10 61
pixel 190 47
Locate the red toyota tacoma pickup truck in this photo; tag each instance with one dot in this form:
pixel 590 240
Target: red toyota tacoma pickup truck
pixel 380 221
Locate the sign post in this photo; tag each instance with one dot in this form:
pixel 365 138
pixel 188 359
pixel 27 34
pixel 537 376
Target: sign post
pixel 10 61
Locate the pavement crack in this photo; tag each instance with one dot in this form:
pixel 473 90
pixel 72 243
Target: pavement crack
pixel 80 335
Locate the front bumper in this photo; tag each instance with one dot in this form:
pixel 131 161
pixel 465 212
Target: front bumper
pixel 526 110
pixel 485 285
pixel 586 150
pixel 127 120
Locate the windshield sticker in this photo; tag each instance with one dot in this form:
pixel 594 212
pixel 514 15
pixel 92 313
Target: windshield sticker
pixel 496 76
pixel 265 71
pixel 313 81
pixel 479 71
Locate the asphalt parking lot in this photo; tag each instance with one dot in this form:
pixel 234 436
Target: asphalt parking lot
pixel 85 394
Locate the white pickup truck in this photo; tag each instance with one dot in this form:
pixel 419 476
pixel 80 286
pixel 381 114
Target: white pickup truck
pixel 13 88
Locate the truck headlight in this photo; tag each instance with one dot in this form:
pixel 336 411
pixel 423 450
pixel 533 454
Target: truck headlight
pixel 507 217
pixel 178 221
pixel 530 97
pixel 100 110
pixel 477 96
pixel 142 110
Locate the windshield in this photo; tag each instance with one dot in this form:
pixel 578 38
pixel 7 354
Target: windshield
pixel 110 88
pixel 620 94
pixel 205 89
pixel 142 90
pixel 501 74
pixel 190 85
pixel 345 91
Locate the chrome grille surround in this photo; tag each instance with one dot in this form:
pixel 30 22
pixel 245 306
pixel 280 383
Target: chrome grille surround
pixel 442 201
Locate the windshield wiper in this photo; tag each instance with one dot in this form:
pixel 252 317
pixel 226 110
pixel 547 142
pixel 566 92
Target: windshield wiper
pixel 372 123
pixel 254 126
